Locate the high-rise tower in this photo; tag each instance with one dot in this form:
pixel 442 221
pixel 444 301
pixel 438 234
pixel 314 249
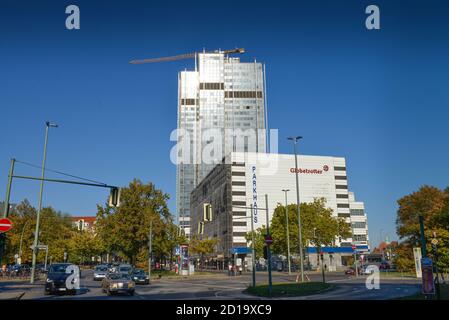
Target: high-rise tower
pixel 225 96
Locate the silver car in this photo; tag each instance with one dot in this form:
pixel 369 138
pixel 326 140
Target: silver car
pixel 100 272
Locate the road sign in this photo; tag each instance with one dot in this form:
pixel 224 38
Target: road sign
pixel 434 241
pixel 5 225
pixel 428 286
pixel 268 240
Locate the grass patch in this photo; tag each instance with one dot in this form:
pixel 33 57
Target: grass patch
pixel 290 289
pixel 444 292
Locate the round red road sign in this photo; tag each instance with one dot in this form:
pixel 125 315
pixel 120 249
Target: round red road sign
pixel 268 240
pixel 5 224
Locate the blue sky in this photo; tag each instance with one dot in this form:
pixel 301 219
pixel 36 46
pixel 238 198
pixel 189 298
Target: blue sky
pixel 379 98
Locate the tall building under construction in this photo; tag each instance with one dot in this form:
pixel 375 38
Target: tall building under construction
pixel 221 95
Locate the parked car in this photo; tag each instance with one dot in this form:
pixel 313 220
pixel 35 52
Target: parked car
pixel 125 268
pixel 56 279
pixel 118 283
pixel 384 266
pixel 140 276
pixel 100 272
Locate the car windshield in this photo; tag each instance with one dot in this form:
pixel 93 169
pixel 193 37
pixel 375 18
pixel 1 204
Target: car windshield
pixel 58 268
pixel 101 268
pixel 124 269
pixel 119 276
pixel 139 271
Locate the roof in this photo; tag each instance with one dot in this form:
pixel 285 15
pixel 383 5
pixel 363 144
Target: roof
pixel 85 218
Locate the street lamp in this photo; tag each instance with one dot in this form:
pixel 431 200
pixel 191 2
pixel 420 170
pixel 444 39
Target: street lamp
pixel 48 125
pixel 295 141
pixel 21 238
pixel 288 231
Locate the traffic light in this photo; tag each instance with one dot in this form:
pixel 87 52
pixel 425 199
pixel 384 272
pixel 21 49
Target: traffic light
pixel 114 197
pixel 207 212
pixel 265 252
pixel 200 227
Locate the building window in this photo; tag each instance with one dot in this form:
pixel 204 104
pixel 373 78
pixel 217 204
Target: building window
pixel 239 224
pixel 357 212
pixel 340 168
pixel 340 178
pixel 342 196
pixel 342 205
pixel 238 173
pixel 238 183
pixel 340 187
pixel 359 224
pixel 360 237
pixel 238 193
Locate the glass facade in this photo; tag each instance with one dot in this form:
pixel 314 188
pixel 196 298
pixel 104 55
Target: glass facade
pixel 222 96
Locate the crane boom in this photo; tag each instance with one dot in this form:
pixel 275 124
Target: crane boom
pixel 181 57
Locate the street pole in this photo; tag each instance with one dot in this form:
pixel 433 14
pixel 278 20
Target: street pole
pixel 21 238
pixel 270 283
pixel 295 141
pixel 8 189
pixel 150 251
pixel 46 257
pixel 288 232
pixel 253 247
pixel 39 207
pixel 423 237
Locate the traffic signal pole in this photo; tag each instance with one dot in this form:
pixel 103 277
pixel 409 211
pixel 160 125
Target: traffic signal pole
pixel 8 189
pixel 270 282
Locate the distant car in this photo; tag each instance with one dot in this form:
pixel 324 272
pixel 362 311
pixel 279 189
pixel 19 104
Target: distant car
pixel 125 268
pixel 384 266
pixel 100 272
pixel 350 271
pixel 140 276
pixel 118 283
pixel 56 279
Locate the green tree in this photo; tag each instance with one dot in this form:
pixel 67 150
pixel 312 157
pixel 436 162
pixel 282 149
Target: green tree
pixel 202 247
pixel 259 240
pixel 83 245
pixel 55 231
pixel 126 229
pixel 319 226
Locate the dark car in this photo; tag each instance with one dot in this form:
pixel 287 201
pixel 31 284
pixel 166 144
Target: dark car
pixel 56 279
pixel 140 276
pixel 118 283
pixel 351 271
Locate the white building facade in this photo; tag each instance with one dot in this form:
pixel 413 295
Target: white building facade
pixel 222 95
pixel 232 188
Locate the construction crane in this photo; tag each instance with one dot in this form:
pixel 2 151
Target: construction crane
pixel 183 56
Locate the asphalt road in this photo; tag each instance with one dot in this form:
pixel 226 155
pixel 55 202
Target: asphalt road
pixel 217 287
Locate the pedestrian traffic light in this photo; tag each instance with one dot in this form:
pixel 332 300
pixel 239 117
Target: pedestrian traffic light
pixel 114 197
pixel 265 252
pixel 200 227
pixel 207 212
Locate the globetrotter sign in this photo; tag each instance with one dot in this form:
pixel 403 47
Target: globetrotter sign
pixel 310 171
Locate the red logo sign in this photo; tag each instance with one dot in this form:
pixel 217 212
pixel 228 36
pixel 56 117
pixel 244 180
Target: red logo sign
pixel 306 171
pixel 5 225
pixel 325 168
